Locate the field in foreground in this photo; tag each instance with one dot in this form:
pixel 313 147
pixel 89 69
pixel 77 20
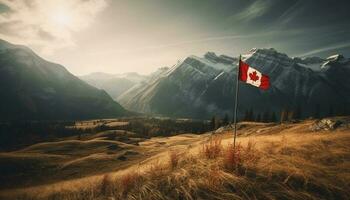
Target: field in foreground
pixel 271 161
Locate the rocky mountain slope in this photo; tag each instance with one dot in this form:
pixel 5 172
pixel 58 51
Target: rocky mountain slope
pixel 33 88
pixel 203 87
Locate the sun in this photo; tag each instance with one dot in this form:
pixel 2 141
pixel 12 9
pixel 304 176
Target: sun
pixel 62 18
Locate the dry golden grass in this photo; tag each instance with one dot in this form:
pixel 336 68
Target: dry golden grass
pixel 294 163
pixel 174 158
pixel 213 148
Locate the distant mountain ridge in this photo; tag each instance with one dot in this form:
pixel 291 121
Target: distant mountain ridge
pixel 113 84
pixel 117 84
pixel 202 87
pixel 33 88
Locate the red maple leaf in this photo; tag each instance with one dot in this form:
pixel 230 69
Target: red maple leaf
pixel 253 76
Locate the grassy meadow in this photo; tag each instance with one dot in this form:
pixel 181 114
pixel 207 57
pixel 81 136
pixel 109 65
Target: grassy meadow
pixel 271 161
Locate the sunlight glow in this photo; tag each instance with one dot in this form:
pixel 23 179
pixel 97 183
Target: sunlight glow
pixel 62 18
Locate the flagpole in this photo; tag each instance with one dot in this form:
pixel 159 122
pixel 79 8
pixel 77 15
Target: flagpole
pixel 236 104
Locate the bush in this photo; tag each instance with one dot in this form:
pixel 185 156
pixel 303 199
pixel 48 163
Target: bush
pixel 213 148
pixel 232 157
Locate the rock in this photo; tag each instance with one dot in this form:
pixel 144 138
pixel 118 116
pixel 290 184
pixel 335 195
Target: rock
pixel 325 124
pixel 223 129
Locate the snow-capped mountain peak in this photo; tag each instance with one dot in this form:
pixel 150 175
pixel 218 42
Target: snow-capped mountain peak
pixel 200 87
pixel 335 60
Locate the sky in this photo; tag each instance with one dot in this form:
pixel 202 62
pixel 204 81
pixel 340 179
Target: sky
pixel 118 36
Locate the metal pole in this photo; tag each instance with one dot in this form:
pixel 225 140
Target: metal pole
pixel 236 105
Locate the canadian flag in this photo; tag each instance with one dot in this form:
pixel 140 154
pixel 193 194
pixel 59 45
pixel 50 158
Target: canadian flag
pixel 252 76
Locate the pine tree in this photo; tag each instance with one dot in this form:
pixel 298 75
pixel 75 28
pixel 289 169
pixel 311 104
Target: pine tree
pixel 284 115
pixel 330 112
pixel 226 120
pixel 258 118
pixel 251 115
pixel 246 115
pixel 217 123
pixel 273 117
pixel 290 116
pixel 344 110
pixel 297 112
pixel 317 111
pixel 265 117
pixel 213 123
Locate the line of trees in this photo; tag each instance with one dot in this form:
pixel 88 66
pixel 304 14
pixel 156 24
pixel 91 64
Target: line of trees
pixel 317 112
pixel 259 117
pixel 150 127
pixel 217 122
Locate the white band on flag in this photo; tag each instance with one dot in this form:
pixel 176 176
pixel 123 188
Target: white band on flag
pixel 254 77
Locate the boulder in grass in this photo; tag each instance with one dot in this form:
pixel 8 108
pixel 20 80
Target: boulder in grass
pixel 325 124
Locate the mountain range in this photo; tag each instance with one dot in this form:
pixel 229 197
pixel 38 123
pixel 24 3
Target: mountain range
pixel 32 88
pixel 200 87
pixel 197 87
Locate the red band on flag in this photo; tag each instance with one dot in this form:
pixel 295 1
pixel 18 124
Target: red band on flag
pixel 243 69
pixel 265 82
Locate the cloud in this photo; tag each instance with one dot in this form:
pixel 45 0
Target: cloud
pixel 326 49
pixel 266 34
pixel 47 25
pixel 291 13
pixel 256 9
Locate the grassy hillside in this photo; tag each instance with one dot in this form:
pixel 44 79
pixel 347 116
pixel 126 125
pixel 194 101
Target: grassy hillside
pixel 272 161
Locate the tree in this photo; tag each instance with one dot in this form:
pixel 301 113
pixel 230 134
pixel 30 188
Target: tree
pixel 273 117
pixel 251 115
pixel 266 116
pixel 258 118
pixel 330 111
pixel 284 115
pixel 316 114
pixel 226 120
pixel 290 116
pixel 297 112
pixel 345 110
pixel 212 123
pixel 246 115
pixel 215 123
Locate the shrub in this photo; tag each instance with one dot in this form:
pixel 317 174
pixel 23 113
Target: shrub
pixel 250 154
pixel 232 157
pixel 213 148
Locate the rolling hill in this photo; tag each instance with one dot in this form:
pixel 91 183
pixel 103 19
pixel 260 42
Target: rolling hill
pixel 274 161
